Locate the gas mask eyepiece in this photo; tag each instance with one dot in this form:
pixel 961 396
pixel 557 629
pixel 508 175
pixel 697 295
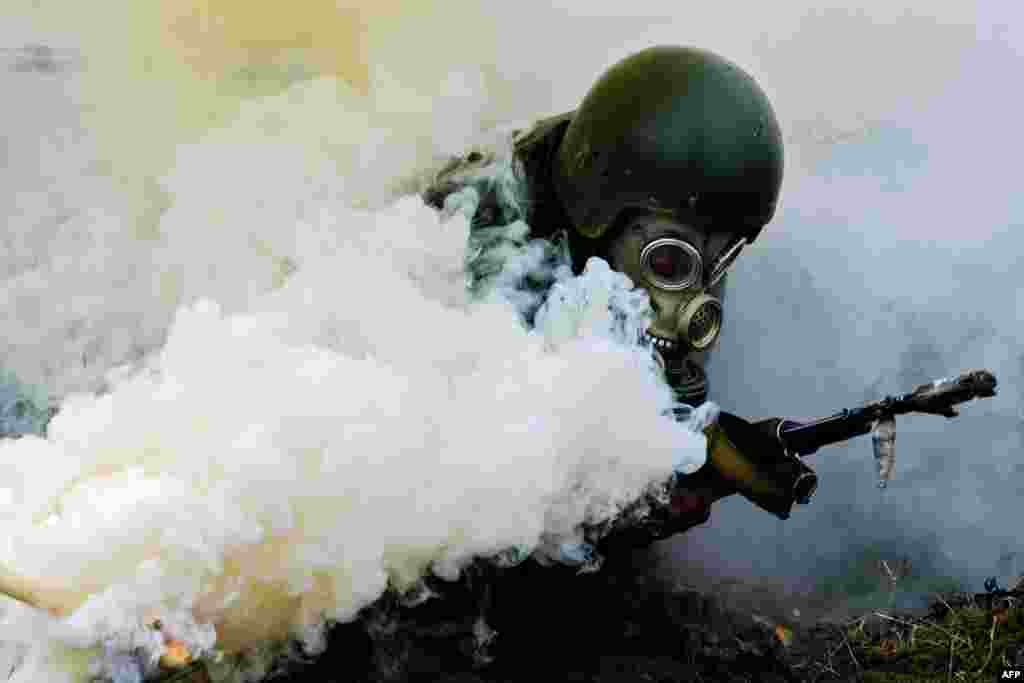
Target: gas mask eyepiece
pixel 671 263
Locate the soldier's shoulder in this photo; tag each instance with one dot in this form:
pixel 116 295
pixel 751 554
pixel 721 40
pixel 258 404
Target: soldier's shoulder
pixel 456 173
pixel 503 150
pixel 542 136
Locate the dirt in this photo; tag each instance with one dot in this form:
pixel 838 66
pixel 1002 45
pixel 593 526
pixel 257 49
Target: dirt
pixel 624 625
pixel 617 625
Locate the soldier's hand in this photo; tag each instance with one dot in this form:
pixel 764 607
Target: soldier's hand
pixel 749 456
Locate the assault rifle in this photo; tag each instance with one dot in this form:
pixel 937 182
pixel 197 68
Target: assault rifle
pixel 934 398
pixel 738 461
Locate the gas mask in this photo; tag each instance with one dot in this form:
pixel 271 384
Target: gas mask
pixel 678 265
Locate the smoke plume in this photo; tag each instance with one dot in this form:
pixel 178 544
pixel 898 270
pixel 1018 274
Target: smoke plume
pixel 273 386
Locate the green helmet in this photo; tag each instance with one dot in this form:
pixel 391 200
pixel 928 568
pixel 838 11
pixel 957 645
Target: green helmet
pixel 672 129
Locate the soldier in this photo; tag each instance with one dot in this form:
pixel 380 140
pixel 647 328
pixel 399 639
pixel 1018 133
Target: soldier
pixel 671 164
pixel 669 167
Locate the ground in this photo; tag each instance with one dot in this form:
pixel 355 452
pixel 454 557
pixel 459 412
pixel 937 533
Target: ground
pixel 624 625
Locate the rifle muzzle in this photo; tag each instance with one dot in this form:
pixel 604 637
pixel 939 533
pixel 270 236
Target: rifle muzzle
pixel 804 487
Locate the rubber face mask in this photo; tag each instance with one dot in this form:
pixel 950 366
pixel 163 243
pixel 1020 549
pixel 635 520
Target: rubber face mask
pixel 677 265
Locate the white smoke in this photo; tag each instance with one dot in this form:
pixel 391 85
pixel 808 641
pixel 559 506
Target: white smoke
pixel 311 397
pixel 345 415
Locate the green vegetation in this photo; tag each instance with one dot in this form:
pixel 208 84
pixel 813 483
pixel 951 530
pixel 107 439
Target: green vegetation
pixel 968 644
pixel 964 639
pixel 869 578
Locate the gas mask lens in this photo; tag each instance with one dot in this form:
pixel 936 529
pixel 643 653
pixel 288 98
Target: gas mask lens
pixel 671 263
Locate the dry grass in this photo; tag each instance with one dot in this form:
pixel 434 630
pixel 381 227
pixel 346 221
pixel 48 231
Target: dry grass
pixel 961 641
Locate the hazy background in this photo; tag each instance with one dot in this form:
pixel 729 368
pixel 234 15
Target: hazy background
pixel 156 155
pixel 893 262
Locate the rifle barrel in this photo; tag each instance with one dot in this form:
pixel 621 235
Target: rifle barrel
pixel 937 398
pixel 805 438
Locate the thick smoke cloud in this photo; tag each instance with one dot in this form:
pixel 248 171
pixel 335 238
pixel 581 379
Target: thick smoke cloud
pixel 326 411
pixel 157 162
pixel 364 422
